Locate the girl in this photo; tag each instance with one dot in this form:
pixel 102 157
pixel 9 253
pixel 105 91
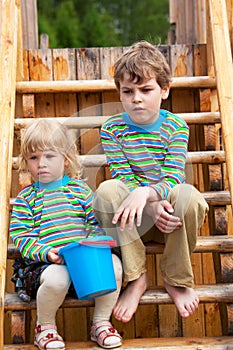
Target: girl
pixel 54 211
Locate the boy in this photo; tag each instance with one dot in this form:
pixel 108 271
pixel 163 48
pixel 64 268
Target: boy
pixel 146 150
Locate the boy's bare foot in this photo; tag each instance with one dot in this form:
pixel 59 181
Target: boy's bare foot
pixel 185 299
pixel 128 302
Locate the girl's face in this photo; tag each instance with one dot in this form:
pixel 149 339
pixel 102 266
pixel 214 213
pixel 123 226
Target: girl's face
pixel 142 100
pixel 46 166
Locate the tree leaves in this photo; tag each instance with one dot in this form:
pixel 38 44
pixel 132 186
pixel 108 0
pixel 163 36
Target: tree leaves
pixel 90 23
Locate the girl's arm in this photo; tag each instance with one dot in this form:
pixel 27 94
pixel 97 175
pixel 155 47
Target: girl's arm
pixel 25 234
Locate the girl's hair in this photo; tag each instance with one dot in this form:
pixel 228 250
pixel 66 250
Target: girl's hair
pixel 44 134
pixel 142 61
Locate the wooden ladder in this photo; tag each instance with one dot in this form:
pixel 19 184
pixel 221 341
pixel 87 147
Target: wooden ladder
pixel 30 93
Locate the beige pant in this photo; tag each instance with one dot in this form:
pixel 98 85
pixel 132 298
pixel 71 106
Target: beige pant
pixel 176 268
pixel 55 282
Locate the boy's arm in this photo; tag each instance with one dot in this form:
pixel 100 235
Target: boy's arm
pixel 24 233
pixel 119 166
pixel 173 168
pixel 173 173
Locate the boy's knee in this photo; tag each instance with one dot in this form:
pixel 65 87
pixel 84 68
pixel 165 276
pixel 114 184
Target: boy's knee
pixel 106 189
pixel 187 199
pixel 110 189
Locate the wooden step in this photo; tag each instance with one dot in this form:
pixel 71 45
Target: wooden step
pixel 214 293
pixel 211 244
pixel 217 197
pixel 178 343
pixel 100 85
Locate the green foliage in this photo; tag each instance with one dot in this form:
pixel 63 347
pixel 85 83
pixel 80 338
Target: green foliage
pixel 67 25
pixel 98 28
pixel 74 23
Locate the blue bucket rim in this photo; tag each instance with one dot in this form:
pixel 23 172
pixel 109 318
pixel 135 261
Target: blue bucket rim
pixel 93 242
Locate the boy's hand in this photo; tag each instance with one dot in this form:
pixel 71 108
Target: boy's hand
pixel 162 215
pixel 132 207
pixel 54 257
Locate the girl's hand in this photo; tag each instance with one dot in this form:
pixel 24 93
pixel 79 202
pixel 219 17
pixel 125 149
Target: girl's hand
pixel 132 207
pixel 54 257
pixel 162 214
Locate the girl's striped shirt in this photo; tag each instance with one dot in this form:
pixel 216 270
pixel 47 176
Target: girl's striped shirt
pixel 51 215
pixel 147 155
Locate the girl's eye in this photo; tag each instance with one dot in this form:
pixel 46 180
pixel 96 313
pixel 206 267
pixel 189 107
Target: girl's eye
pixel 49 156
pixel 33 157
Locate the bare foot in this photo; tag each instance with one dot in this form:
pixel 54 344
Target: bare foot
pixel 128 302
pixel 185 299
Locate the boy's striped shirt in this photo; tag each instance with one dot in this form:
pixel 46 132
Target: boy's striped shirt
pixel 147 155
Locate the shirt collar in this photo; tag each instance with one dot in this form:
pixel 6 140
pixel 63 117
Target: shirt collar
pixel 145 127
pixel 52 185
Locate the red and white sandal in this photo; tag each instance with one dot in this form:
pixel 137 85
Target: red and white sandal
pixel 46 337
pixel 105 335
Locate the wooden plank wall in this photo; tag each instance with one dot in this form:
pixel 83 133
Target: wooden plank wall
pixel 189 18
pixel 97 63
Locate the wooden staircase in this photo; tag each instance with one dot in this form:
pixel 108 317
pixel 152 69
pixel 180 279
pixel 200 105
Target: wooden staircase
pixel 159 326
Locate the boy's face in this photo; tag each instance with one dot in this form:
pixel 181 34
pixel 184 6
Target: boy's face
pixel 46 166
pixel 142 100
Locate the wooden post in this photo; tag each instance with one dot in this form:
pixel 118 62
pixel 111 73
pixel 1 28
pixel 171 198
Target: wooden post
pixel 224 76
pixel 172 12
pixel 30 24
pixel 8 58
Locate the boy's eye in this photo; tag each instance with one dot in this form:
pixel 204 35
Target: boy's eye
pixel 33 157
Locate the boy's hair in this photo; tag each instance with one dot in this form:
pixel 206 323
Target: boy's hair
pixel 142 61
pixel 47 134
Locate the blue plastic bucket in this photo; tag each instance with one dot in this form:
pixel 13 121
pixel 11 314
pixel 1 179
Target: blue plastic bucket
pixel 90 266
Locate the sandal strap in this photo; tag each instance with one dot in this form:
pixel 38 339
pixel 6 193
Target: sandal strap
pixel 105 333
pixel 42 340
pixel 42 327
pixel 97 325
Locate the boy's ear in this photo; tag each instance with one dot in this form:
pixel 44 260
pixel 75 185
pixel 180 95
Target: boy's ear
pixel 66 162
pixel 165 92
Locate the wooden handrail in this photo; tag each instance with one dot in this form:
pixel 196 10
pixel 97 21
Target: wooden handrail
pixel 224 76
pixel 158 295
pixel 96 121
pixel 210 244
pixel 212 197
pixel 8 58
pixel 100 85
pixel 98 160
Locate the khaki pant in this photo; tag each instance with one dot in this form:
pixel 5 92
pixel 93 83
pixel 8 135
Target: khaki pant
pixel 175 264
